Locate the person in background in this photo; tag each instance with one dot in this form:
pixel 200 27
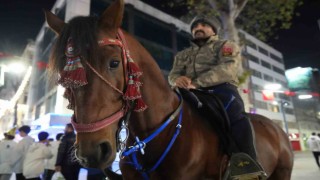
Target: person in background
pixel 6 148
pixel 33 165
pixel 20 151
pixel 50 163
pixel 66 162
pixel 314 145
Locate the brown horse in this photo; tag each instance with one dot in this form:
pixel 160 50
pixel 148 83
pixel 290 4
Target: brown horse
pixel 97 83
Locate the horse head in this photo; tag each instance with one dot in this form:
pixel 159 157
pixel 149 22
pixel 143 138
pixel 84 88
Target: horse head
pixel 103 82
pixel 93 76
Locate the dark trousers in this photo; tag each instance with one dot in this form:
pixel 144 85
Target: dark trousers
pixel 34 178
pixel 70 172
pixel 20 176
pixel 48 173
pixel 241 130
pixel 316 155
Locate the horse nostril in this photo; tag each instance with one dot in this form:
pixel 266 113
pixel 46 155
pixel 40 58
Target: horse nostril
pixel 105 150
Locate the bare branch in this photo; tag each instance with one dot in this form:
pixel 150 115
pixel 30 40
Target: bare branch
pixel 231 5
pixel 213 5
pixel 241 4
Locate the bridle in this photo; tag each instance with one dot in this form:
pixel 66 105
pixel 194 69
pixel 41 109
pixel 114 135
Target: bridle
pixel 95 126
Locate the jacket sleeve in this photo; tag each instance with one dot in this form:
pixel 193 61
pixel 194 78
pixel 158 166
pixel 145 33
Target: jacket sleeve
pixel 47 154
pixel 61 151
pixel 226 69
pixel 178 69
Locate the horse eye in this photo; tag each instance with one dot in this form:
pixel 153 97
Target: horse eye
pixel 114 64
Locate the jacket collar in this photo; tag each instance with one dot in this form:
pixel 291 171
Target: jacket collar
pixel 210 40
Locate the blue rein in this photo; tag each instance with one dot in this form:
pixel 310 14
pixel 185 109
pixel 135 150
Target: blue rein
pixel 131 151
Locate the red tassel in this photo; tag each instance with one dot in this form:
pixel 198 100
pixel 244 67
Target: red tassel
pixel 140 105
pixel 133 69
pixel 133 90
pixel 73 74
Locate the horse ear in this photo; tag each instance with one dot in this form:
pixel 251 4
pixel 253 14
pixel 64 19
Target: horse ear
pixel 55 23
pixel 112 16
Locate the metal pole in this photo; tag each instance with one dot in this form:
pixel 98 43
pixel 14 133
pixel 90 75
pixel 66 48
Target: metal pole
pixel 284 116
pixel 15 115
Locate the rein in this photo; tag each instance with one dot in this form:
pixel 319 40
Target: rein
pixel 131 151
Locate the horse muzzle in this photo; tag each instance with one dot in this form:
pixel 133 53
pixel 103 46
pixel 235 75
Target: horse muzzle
pixel 95 156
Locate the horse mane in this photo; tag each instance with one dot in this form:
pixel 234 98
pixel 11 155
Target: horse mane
pixel 83 31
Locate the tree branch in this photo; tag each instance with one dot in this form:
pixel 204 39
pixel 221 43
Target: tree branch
pixel 213 5
pixel 241 4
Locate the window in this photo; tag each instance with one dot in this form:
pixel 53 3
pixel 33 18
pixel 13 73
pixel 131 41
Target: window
pixel 263 51
pixel 256 87
pixel 260 104
pixel 268 78
pixel 163 56
pixel 284 84
pixel 256 73
pixel 276 58
pixel 284 97
pixel 288 110
pixel 253 58
pixel 265 64
pixel 273 108
pixel 278 70
pixel 250 44
pixel 150 30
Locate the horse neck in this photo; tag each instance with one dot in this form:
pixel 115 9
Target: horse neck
pixel 156 93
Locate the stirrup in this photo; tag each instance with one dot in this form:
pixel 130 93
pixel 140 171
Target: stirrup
pixel 243 167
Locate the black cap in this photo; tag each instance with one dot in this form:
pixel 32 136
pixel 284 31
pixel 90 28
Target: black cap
pixel 213 22
pixel 43 136
pixel 25 129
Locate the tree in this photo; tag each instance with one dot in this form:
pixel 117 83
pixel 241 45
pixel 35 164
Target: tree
pixel 261 18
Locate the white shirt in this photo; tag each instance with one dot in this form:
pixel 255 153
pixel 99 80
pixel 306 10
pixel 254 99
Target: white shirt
pixel 33 164
pixel 314 143
pixel 6 156
pixel 20 151
pixel 50 163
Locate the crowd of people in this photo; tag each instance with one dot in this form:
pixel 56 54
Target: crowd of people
pixel 36 160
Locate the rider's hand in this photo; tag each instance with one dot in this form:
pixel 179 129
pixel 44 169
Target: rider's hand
pixel 183 82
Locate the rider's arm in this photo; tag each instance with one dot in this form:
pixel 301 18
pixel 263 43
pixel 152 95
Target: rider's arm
pixel 178 69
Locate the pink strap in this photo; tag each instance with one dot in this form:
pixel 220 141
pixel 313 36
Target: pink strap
pixel 92 127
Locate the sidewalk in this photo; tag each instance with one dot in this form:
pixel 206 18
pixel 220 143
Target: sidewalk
pixel 305 167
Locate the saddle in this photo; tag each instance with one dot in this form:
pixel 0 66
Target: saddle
pixel 241 166
pixel 212 110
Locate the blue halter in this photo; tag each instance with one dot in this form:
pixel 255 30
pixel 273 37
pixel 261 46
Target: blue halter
pixel 131 151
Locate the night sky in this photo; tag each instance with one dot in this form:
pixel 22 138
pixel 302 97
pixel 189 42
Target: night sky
pixel 21 20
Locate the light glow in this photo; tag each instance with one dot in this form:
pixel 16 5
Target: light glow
pixel 273 87
pixel 305 96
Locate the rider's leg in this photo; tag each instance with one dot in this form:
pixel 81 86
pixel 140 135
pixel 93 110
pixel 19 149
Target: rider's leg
pixel 244 137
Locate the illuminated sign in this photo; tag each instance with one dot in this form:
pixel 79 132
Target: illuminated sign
pixel 299 78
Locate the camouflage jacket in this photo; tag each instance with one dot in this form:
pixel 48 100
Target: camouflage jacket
pixel 213 63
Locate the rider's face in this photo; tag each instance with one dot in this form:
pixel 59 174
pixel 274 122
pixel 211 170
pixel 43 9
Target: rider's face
pixel 202 31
